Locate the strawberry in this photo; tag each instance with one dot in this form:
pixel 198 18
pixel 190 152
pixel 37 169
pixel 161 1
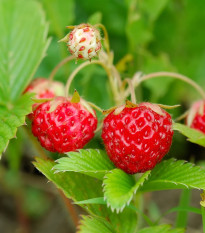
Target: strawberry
pixel 62 126
pixel 44 89
pixel 84 41
pixel 196 116
pixel 138 137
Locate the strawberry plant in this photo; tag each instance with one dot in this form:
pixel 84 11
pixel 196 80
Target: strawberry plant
pixel 107 158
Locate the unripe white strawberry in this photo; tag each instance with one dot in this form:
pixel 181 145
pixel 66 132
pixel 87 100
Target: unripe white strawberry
pixel 84 41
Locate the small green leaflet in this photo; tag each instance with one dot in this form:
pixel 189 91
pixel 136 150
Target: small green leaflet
pixel 13 117
pixel 193 135
pixel 91 162
pixel 119 188
pixel 91 224
pixel 174 174
pixel 161 229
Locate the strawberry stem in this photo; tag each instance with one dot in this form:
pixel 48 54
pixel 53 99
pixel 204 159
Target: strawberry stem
pixel 181 117
pixel 95 106
pixel 131 89
pixel 173 75
pixel 107 69
pixel 58 66
pixel 106 42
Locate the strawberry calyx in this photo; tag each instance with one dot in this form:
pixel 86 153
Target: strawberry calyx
pixel 128 104
pixel 76 97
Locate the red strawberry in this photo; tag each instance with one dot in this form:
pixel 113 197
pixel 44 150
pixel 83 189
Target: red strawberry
pixel 196 116
pixel 138 137
pixel 62 126
pixel 44 89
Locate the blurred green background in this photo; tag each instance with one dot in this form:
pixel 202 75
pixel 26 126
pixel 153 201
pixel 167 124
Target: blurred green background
pixel 146 36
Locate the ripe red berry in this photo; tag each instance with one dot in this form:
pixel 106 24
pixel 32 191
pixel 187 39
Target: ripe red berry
pixel 196 116
pixel 137 138
pixel 62 126
pixel 44 89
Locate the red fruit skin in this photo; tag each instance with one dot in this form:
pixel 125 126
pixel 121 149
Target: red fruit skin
pixel 137 138
pixel 62 126
pixel 43 90
pixel 197 113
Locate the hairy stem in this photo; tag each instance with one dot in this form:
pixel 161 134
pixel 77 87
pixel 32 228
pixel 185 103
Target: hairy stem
pixel 176 76
pixel 107 43
pixel 109 73
pixel 60 64
pixel 131 89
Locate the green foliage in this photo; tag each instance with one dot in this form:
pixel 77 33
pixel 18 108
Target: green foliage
pixel 90 224
pixel 74 185
pixel 171 174
pixel 193 135
pixel 161 229
pixel 120 187
pixel 12 117
pixel 91 162
pixel 78 187
pixel 23 44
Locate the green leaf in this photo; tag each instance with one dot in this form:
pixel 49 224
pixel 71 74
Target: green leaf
pixel 193 135
pixel 94 225
pixel 13 117
pixel 97 200
pixel 95 163
pixel 78 187
pixel 23 43
pixel 161 229
pixel 74 185
pixel 119 188
pixel 100 200
pixel 172 174
pixel 95 18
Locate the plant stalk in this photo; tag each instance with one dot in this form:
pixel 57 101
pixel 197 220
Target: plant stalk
pixel 176 76
pixel 107 43
pixel 58 66
pixel 109 73
pixel 182 216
